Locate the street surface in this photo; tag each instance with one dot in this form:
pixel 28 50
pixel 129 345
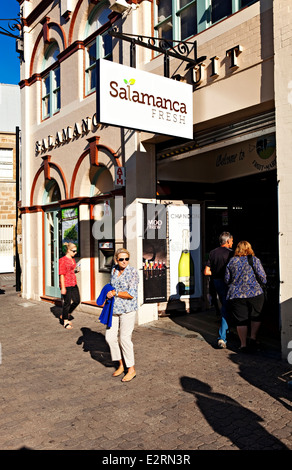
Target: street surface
pixel 58 393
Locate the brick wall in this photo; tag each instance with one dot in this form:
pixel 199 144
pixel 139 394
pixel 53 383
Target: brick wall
pixel 7 202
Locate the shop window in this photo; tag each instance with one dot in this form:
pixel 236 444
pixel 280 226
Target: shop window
pixel 51 96
pixel 100 46
pixel 6 164
pixel 178 20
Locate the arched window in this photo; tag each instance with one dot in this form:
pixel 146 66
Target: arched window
pixel 51 97
pixel 101 181
pixel 100 46
pixel 52 192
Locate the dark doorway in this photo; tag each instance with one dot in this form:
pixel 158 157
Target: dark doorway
pixel 248 208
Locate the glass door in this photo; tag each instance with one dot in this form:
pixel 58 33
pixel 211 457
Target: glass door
pixel 52 252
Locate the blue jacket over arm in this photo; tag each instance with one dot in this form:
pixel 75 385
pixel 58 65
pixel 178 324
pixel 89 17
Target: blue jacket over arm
pixel 107 311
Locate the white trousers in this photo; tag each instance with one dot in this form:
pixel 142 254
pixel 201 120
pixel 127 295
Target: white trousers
pixel 121 346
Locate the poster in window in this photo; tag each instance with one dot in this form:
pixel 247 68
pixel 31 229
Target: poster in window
pixel 70 228
pixel 184 251
pixel 154 253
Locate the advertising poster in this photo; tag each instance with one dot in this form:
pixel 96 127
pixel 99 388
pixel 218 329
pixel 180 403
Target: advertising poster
pixel 184 251
pixel 70 228
pixel 154 253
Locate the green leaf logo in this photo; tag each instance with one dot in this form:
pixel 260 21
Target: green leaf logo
pixel 130 82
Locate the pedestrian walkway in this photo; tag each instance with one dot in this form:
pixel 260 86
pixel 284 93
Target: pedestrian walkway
pixel 58 393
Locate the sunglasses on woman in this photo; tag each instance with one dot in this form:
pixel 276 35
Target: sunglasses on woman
pixel 74 251
pixel 123 259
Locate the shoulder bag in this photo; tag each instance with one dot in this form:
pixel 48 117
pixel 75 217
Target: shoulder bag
pixel 263 286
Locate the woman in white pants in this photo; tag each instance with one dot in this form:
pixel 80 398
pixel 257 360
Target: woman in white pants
pixel 124 280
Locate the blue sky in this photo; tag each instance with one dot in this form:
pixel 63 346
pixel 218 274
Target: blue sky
pixel 10 64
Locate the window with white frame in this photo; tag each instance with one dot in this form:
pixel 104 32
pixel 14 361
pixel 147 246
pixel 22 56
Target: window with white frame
pixel 175 19
pixel 51 96
pixel 178 20
pixel 6 164
pixel 100 46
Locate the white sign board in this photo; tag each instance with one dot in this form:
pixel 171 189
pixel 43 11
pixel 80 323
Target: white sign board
pixel 131 98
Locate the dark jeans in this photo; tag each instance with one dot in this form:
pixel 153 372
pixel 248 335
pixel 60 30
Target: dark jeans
pixel 70 301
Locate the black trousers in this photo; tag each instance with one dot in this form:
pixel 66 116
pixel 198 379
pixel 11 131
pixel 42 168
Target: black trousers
pixel 70 301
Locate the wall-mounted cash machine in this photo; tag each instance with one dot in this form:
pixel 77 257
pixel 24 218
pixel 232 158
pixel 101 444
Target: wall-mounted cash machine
pixel 106 251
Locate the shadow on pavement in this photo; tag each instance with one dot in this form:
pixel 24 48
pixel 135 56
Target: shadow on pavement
pixel 94 343
pixel 229 418
pixel 207 324
pixel 270 376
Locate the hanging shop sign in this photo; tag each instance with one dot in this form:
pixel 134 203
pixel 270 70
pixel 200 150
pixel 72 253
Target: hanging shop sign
pixel 120 177
pixel 70 228
pixel 154 253
pixel 184 251
pixel 135 99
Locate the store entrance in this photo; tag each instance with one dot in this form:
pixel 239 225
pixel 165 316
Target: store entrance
pixel 52 252
pixel 247 207
pixel 52 238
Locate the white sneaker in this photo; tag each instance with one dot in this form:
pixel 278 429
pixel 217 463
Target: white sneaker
pixel 221 344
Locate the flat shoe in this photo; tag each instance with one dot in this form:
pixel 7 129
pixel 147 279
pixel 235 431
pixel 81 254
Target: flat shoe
pixel 221 344
pixel 128 377
pixel 118 372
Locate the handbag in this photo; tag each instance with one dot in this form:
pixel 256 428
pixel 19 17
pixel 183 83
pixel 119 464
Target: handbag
pixel 262 285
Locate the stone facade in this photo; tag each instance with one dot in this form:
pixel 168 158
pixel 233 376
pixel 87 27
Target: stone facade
pixel 237 89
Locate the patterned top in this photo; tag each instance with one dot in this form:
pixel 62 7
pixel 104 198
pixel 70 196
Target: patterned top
pixel 241 279
pixel 67 267
pixel 127 282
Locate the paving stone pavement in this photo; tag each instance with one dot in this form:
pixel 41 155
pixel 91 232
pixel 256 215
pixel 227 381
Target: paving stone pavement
pixel 58 393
